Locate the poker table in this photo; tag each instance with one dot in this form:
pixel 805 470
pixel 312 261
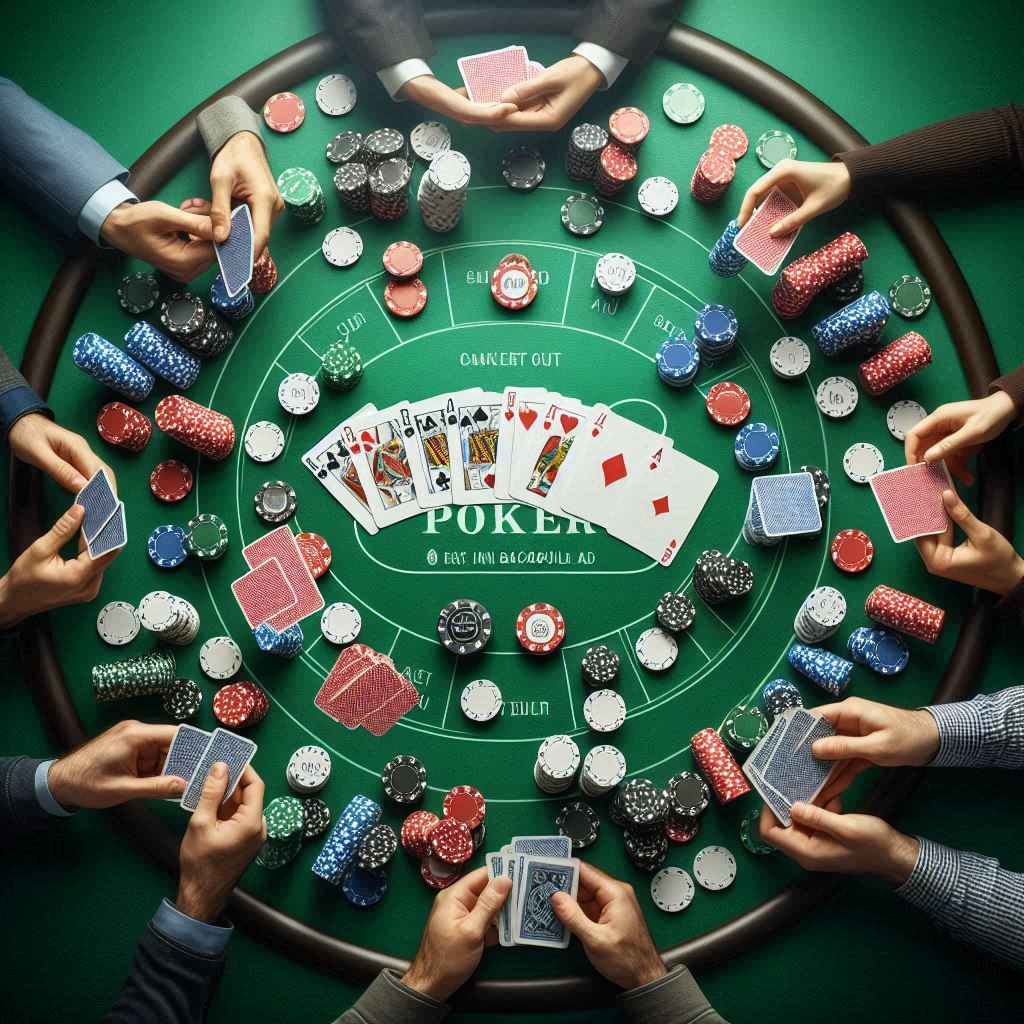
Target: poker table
pixel 302 945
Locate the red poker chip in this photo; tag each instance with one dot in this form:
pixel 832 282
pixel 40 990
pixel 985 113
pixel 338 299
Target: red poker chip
pixel 405 298
pixel 540 628
pixel 728 404
pixel 284 112
pixel 852 550
pixel 415 834
pixel 682 830
pixel 403 259
pixel 124 426
pixel 731 139
pixel 513 284
pixel 315 551
pixel 617 164
pixel 452 841
pixel 629 125
pixel 465 804
pixel 437 874
pixel 171 481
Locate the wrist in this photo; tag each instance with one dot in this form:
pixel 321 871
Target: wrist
pixel 10 615
pixel 1012 575
pixel 59 781
pixel 116 223
pixel 651 970
pixel 928 738
pixel 426 982
pixel 900 859
pixel 198 904
pixel 1002 407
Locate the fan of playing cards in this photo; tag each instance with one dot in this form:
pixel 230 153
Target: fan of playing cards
pixel 525 445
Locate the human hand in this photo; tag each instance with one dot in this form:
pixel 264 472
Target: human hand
pixel 820 187
pixel 60 454
pixel 607 919
pixel 877 733
pixel 547 102
pixel 121 764
pixel 219 842
pixel 240 171
pixel 152 232
pixel 822 839
pixel 40 579
pixel 428 92
pixel 460 925
pixel 957 431
pixel 986 559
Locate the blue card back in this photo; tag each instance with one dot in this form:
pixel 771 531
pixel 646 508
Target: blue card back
pixel 235 254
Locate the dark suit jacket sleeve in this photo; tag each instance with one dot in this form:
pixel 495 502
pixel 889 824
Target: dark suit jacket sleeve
pixel 20 812
pixel 631 28
pixel 379 33
pixel 17 399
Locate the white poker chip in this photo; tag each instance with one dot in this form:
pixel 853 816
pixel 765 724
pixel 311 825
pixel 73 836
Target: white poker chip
pixel 837 397
pixel 605 765
pixel 656 649
pixel 826 605
pixel 264 441
pixel 298 393
pixel 558 757
pixel 117 623
pixel 902 417
pixel 481 700
pixel 308 769
pixel 715 868
pixel 862 461
pixel 615 273
pixel 340 623
pixel 604 710
pixel 672 889
pixel 450 170
pixel 336 95
pixel 790 357
pixel 429 138
pixel 220 657
pixel 658 196
pixel 342 247
pixel 157 610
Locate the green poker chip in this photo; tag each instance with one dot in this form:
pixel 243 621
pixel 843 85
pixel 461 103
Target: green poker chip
pixel 683 103
pixel 774 146
pixel 206 537
pixel 910 296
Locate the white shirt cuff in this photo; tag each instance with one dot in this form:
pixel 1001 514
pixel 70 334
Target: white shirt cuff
pixel 608 63
pixel 395 76
pixel 99 205
pixel 46 799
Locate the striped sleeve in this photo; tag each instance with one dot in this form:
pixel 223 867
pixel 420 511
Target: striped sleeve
pixel 987 732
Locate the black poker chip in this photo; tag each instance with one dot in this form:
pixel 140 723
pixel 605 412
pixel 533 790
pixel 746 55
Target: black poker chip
pixel 675 612
pixel 377 847
pixel 275 501
pixel 464 627
pixel 479 835
pixel 344 146
pixel 688 795
pixel 523 168
pixel 647 852
pixel 316 817
pixel 138 293
pixel 642 802
pixel 600 666
pixel 847 288
pixel 404 779
pixel 183 314
pixel 578 821
pixel 182 699
pixel 822 485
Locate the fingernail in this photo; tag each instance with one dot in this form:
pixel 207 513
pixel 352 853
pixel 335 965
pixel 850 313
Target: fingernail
pixel 219 770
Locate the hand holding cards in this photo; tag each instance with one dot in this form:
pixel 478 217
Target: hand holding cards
pixel 193 752
pixel 754 240
pixel 104 524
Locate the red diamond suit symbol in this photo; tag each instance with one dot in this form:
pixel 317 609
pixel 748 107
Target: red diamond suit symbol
pixel 660 506
pixel 614 469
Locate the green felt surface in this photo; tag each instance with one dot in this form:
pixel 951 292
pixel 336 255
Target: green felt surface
pixel 571 340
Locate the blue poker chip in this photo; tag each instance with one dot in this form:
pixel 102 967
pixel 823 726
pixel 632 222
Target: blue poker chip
pixel 166 546
pixel 716 324
pixel 677 360
pixel 364 887
pixel 825 669
pixel 757 446
pixel 881 650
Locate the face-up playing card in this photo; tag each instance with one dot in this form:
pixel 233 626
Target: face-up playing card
pixel 98 499
pixel 910 499
pixel 604 459
pixel 280 544
pixel 539 878
pixel 235 751
pixel 112 536
pixel 787 504
pixel 428 418
pixel 521 411
pixel 473 446
pixel 331 462
pixel 263 592
pixel 658 509
pixel 234 254
pixel 487 75
pixel 545 452
pixel 754 241
pixel 185 752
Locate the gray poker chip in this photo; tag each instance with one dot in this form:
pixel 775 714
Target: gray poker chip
pixel 672 889
pixel 656 650
pixel 264 441
pixel 342 247
pixel 604 710
pixel 336 95
pixel 862 461
pixel 340 623
pixel 902 417
pixel 298 393
pixel 790 357
pixel 658 196
pixel 429 138
pixel 836 397
pixel 309 769
pixel 481 700
pixel 220 657
pixel 715 868
pixel 117 623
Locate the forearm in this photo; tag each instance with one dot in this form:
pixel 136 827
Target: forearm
pixel 986 732
pixel 985 146
pixel 228 116
pixel 674 998
pixel 972 898
pixel 387 1001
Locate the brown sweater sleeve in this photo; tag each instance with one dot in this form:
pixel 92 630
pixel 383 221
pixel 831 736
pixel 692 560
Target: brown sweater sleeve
pixel 984 146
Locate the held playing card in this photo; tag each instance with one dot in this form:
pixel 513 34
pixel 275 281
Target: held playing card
pixel 113 535
pixel 185 752
pixel 754 241
pixel 98 499
pixel 234 254
pixel 543 846
pixel 487 75
pixel 539 878
pixel 235 751
pixel 910 499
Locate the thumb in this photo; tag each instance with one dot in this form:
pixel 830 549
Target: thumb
pixel 489 902
pixel 820 820
pixel 962 515
pixel 568 911
pixel 213 792
pixel 797 219
pixel 841 748
pixel 524 93
pixel 154 787
pixel 189 223
pixel 220 210
pixel 61 532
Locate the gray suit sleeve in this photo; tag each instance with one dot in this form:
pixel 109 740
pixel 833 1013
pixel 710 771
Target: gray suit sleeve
pixel 673 999
pixel 377 34
pixel 631 28
pixel 47 163
pixel 228 116
pixel 388 1001
pixel 20 811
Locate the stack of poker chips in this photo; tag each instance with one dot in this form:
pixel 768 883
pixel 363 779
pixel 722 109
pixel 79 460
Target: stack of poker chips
pixel 133 677
pixel 757 446
pixel 675 612
pixel 585 144
pixel 895 363
pixel 415 833
pixel 603 769
pixel 317 817
pixel 182 699
pixel 558 759
pixel 124 426
pixel 342 844
pixel 615 274
pixel 377 847
pixel 880 650
pixel 309 770
pixel 779 695
pixel 161 355
pixel 109 365
pixel 855 327
pixel 389 189
pixel 303 197
pixel 600 667
pixel 810 275
pixel 206 537
pixel 204 430
pixel 847 288
pixel 718 578
pixel 616 168
pixel 187 320
pixel 286 826
pixel 444 845
pixel 342 366
pixel 717 165
pixel 641 808
pixel 677 361
pixel 344 147
pixel 287 644
pixel 715 329
pixel 723 259
pixel 628 127
pixel 172 619
pixel 744 728
pixel 823 668
pixel 820 615
pixel 235 308
pixel 514 282
pixel 264 274
pixel 443 190
pixel 383 144
pixel 352 181
pixel 138 293
pixel 579 823
pixel 688 798
pixel 822 485
pixel 905 613
pixel 240 705
pixel 718 765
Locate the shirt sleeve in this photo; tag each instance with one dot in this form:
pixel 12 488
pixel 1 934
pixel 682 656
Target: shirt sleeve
pixel 609 63
pixel 20 810
pixel 198 935
pixel 394 76
pixel 44 796
pixel 674 998
pixel 388 1001
pixel 986 732
pixel 971 897
pixel 99 206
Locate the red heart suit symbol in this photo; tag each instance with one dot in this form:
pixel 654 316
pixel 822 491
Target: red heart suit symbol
pixel 508 415
pixel 568 422
pixel 527 417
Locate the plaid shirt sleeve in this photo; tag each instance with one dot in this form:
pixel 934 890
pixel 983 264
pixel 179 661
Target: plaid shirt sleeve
pixel 987 732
